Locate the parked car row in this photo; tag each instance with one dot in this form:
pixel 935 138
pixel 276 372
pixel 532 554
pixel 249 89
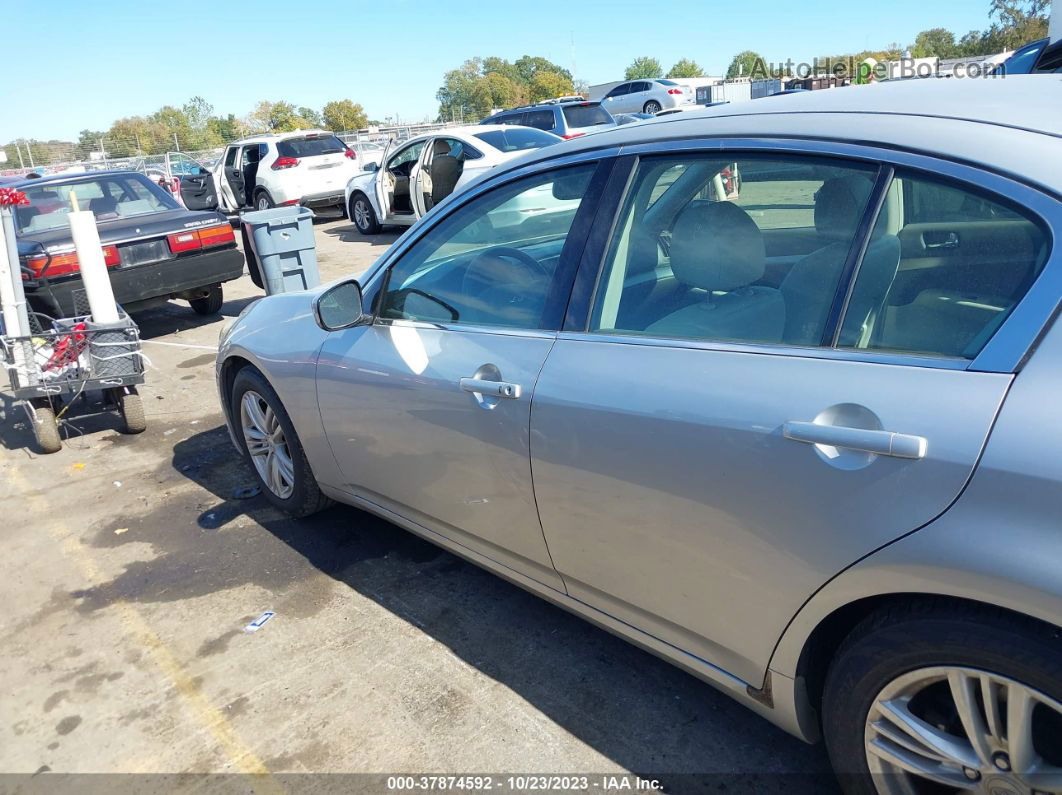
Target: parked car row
pixel 770 394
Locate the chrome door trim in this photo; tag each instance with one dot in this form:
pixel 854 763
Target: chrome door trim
pixel 468 328
pixel 1017 337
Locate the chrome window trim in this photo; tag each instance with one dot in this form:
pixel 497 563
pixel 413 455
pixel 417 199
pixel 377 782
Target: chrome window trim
pixel 769 349
pixel 505 331
pixel 1016 338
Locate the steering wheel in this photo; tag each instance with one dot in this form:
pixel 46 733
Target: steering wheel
pixel 495 283
pixel 511 253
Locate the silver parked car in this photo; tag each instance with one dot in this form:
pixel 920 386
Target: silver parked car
pixel 765 389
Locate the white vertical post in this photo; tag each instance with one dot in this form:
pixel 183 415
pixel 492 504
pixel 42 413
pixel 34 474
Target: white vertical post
pixel 9 271
pixel 1054 25
pixel 93 269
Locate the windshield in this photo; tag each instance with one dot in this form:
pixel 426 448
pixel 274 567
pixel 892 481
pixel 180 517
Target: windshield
pixel 586 115
pixel 1021 62
pixel 108 197
pixel 667 82
pixel 310 147
pixel 515 139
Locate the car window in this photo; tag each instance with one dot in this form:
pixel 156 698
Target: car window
pixel 965 261
pixel 637 87
pixel 252 153
pixel 620 90
pixel 310 146
pixel 408 155
pixel 540 119
pixel 230 156
pixel 586 114
pixel 111 197
pixel 492 261
pixel 459 149
pixel 666 82
pixel 511 118
pixel 696 253
pixel 515 139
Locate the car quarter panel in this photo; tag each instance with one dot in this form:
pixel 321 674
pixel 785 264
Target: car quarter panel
pixel 1001 542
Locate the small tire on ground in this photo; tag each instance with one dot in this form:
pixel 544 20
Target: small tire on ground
pixel 131 408
pixel 921 633
pixel 211 303
pixel 306 497
pixel 652 106
pixel 46 429
pixel 263 201
pixel 361 207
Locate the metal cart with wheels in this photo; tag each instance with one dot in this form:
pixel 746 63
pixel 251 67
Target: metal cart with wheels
pixel 65 358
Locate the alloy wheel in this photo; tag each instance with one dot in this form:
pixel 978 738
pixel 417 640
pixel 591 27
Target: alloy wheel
pixel 966 730
pixel 361 214
pixel 266 444
pixel 263 202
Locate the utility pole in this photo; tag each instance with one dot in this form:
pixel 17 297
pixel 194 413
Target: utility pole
pixel 18 149
pixel 176 144
pixel 1054 24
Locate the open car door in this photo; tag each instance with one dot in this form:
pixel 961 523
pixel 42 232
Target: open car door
pixel 385 183
pixel 194 182
pixel 420 184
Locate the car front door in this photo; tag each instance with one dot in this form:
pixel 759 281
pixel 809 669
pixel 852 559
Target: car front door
pixel 616 100
pixel 709 449
pixel 427 409
pixel 230 180
pixel 393 183
pixel 196 183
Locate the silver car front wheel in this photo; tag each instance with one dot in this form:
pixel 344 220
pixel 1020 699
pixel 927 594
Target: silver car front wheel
pixel 962 728
pixel 267 445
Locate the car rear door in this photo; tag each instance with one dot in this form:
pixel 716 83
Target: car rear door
pixel 197 188
pixel 615 101
pixel 703 465
pixel 230 181
pixel 427 409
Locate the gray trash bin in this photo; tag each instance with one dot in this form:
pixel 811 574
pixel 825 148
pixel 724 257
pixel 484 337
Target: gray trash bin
pixel 282 242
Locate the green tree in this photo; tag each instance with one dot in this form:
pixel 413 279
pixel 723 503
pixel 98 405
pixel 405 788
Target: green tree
pixel 340 115
pixel 313 117
pixel 530 65
pixel 745 63
pixel 685 67
pixel 547 85
pixel 934 43
pixel 643 67
pixel 1017 22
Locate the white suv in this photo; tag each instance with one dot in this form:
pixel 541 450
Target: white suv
pixel 307 167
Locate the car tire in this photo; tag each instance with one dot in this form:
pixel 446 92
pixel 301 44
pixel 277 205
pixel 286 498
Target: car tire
pixel 363 215
pixel 131 407
pixel 304 496
pixel 897 655
pixel 211 303
pixel 263 201
pixel 652 106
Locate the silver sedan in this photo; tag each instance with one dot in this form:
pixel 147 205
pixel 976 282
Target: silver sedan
pixel 765 389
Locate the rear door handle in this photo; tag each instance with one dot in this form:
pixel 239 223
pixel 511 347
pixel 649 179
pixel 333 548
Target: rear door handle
pixel 502 389
pixel 900 445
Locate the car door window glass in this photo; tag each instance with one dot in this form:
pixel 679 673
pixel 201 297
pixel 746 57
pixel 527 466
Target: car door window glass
pixel 619 91
pixel 540 119
pixel 965 261
pixel 699 251
pixel 492 261
pixel 230 156
pixel 404 161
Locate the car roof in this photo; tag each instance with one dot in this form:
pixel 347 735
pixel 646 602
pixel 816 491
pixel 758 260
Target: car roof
pixel 70 176
pixel 1011 124
pixel 278 136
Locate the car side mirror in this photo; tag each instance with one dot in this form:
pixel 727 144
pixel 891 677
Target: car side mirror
pixel 372 165
pixel 340 307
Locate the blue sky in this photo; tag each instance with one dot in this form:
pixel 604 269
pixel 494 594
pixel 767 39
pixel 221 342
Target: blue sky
pixel 87 63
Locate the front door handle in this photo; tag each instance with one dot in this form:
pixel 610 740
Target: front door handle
pixel 900 445
pixel 481 386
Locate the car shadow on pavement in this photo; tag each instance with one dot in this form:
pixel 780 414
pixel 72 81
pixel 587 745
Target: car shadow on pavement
pixel 635 709
pixel 350 234
pixel 177 316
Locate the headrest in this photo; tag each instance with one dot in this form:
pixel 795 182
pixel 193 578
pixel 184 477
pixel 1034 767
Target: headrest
pixel 839 204
pixel 440 147
pixel 716 246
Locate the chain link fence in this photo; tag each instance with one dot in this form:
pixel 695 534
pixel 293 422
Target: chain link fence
pixel 116 153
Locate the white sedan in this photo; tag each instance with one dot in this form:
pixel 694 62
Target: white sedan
pixel 419 173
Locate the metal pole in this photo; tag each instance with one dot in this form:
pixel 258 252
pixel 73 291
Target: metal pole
pixel 29 152
pixel 177 146
pixel 1054 24
pixel 18 149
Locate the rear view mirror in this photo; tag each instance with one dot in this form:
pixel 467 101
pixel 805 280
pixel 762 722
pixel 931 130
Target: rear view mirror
pixel 340 307
pixel 372 165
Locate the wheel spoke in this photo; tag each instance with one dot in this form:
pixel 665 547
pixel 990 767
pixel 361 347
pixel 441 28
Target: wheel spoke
pixel 1020 704
pixel 275 483
pixel 254 413
pixel 990 695
pixel 919 766
pixel 964 694
pixel 938 742
pixel 285 465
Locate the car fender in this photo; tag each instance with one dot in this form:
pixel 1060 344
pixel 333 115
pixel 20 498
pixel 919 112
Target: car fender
pixel 364 183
